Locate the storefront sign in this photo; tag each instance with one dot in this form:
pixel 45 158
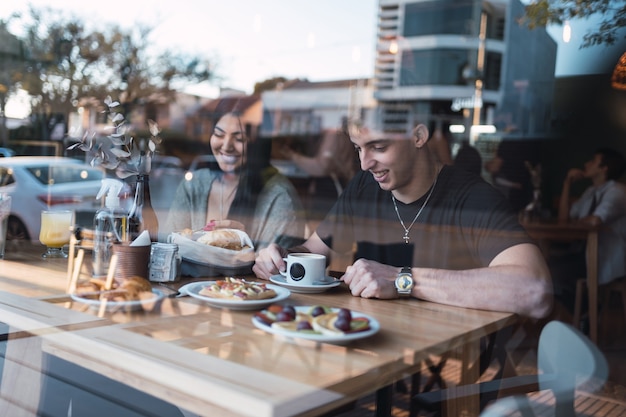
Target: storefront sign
pixel 466 103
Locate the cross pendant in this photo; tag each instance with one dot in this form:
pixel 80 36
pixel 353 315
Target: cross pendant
pixel 406 238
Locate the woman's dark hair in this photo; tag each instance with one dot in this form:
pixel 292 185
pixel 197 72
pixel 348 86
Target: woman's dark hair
pixel 614 161
pixel 257 170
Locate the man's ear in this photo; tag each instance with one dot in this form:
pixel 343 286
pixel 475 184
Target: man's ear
pixel 420 134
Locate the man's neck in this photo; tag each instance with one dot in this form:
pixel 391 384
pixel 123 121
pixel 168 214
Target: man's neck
pixel 599 180
pixel 414 191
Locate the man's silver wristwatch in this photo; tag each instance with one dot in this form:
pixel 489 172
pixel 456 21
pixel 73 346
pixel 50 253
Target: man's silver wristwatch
pixel 404 282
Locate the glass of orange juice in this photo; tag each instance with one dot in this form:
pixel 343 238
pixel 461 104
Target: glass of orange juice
pixel 56 231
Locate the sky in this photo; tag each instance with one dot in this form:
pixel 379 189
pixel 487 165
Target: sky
pixel 253 40
pixel 249 40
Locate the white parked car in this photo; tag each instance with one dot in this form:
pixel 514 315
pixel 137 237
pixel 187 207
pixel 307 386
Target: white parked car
pixel 37 183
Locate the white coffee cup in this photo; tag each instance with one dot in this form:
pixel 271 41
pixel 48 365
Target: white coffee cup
pixel 304 268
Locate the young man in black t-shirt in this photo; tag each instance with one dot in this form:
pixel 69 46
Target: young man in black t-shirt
pixel 452 234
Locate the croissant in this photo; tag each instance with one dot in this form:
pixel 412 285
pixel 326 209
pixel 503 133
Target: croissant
pixel 222 238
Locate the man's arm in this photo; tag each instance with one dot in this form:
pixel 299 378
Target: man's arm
pixel 517 281
pixel 573 174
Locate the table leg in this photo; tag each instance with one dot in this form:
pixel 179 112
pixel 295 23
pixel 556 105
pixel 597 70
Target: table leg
pixel 469 374
pixel 384 400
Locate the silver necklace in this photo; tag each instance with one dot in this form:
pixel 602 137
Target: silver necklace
pixel 406 237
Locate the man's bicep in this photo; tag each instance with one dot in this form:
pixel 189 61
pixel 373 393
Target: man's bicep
pixel 523 254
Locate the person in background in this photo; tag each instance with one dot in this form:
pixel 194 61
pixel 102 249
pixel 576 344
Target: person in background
pixel 469 159
pixel 413 219
pixel 509 171
pixel 602 204
pixel 242 190
pixel 335 158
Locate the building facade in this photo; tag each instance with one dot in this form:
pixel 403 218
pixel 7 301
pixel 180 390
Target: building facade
pixel 463 62
pixel 304 108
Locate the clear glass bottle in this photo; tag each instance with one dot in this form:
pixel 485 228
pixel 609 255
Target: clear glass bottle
pixel 141 215
pixel 110 225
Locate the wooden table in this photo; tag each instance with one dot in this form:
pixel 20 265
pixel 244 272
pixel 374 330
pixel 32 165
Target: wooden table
pixel 214 361
pixel 546 231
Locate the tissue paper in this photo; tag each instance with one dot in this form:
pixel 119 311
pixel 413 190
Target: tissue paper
pixel 142 240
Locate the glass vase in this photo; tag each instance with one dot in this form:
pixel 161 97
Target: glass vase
pixel 142 215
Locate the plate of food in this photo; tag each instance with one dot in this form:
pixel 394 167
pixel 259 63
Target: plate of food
pixel 131 294
pixel 322 285
pixel 236 293
pixel 318 323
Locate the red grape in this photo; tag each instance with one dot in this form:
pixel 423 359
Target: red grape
pixel 304 325
pixel 318 311
pixel 290 310
pixel 342 324
pixel 283 316
pixel 345 313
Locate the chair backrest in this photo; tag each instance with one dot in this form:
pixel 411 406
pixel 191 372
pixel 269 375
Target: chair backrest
pixel 569 355
pixel 566 360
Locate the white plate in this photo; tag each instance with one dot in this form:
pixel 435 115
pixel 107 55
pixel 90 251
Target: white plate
pixel 193 289
pixel 306 289
pixel 114 305
pixel 318 337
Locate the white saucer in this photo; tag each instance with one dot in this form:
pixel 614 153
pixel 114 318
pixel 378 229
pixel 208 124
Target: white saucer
pixel 321 286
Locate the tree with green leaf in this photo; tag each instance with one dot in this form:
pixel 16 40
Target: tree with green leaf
pixel 142 76
pixel 542 13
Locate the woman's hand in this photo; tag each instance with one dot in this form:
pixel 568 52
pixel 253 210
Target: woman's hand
pixel 224 224
pixel 370 279
pixel 269 261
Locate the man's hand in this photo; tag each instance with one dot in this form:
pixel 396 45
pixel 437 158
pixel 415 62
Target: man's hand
pixel 575 174
pixel 370 279
pixel 269 261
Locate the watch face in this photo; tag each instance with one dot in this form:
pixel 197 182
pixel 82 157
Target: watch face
pixel 404 282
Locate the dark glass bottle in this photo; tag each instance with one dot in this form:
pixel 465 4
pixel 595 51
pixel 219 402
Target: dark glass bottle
pixel 141 215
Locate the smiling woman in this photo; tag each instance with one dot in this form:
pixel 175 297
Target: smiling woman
pixel 239 189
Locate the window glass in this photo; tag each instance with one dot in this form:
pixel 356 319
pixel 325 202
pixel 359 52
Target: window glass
pixel 6 177
pixel 433 66
pixel 65 174
pixel 445 67
pixel 438 17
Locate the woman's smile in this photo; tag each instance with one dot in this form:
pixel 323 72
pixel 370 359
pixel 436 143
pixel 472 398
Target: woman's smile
pixel 229 159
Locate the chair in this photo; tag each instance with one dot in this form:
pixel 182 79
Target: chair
pixel 566 359
pixel 616 286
